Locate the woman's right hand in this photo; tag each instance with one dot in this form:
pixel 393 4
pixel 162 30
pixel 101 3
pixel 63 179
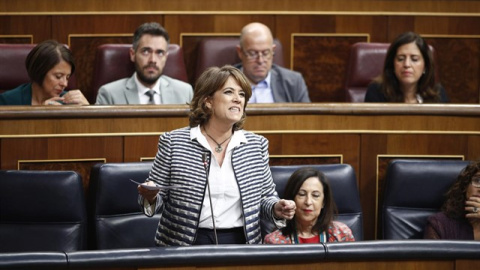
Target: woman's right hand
pixel 75 97
pixel 472 207
pixel 149 195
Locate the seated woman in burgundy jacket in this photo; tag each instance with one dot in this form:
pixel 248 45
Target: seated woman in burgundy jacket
pixel 460 215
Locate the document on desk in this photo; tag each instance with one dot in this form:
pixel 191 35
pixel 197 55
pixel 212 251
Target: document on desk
pixel 156 187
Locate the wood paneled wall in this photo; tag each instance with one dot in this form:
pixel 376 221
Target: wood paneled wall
pixel 316 35
pixel 366 136
pixel 306 6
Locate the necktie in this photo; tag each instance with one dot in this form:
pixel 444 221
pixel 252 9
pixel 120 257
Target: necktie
pixel 150 93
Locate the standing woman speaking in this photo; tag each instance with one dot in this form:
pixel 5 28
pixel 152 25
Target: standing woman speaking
pixel 221 172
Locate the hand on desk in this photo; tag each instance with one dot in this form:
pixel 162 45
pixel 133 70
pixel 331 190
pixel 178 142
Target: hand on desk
pixel 75 97
pixel 72 97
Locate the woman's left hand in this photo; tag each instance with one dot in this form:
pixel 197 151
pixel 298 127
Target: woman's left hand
pixel 284 209
pixel 75 97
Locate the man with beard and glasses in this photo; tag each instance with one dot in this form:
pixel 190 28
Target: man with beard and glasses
pixel 147 85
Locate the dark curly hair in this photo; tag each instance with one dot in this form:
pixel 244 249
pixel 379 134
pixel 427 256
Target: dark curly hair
pixel 294 184
pixel 210 82
pixel 427 87
pixel 454 206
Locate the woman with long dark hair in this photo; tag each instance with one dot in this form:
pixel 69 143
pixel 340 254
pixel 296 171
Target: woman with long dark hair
pixel 408 74
pixel 460 215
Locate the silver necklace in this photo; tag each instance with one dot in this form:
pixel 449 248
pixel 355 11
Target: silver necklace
pixel 219 148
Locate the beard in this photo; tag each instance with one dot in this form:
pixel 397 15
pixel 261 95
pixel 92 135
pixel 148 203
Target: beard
pixel 144 78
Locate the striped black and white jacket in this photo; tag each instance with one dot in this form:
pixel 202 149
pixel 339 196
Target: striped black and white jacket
pixel 179 162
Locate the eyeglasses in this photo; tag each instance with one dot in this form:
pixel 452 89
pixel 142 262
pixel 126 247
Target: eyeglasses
pixel 252 55
pixel 476 182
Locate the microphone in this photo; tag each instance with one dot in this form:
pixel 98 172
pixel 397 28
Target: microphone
pixel 205 165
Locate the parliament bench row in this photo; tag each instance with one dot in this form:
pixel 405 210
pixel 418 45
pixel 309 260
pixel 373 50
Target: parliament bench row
pixel 48 210
pixel 112 62
pixel 388 253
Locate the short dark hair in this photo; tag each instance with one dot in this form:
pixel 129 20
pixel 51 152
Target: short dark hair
pixel 151 28
pixel 426 86
pixel 294 184
pixel 44 57
pixel 454 206
pixel 210 82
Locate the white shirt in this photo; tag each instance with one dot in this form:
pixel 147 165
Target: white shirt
pixel 142 90
pixel 262 91
pixel 227 207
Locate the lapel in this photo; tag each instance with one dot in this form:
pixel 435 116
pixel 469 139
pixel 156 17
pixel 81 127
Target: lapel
pixel 131 92
pixel 166 91
pixel 276 85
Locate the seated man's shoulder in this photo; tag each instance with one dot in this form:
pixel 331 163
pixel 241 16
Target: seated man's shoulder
pixel 115 85
pixel 286 71
pixel 176 82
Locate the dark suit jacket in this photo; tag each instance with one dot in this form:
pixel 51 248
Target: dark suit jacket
pixel 374 94
pixel 287 85
pixel 21 95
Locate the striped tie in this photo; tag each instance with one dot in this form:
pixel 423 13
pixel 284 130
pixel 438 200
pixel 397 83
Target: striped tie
pixel 150 93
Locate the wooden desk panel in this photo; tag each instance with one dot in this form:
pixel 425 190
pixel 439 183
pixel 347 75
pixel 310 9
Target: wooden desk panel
pixel 339 265
pixel 467 264
pixel 139 148
pixel 357 265
pixel 63 153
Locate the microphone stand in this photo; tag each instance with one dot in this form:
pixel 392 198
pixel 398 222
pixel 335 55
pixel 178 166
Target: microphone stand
pixel 204 158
